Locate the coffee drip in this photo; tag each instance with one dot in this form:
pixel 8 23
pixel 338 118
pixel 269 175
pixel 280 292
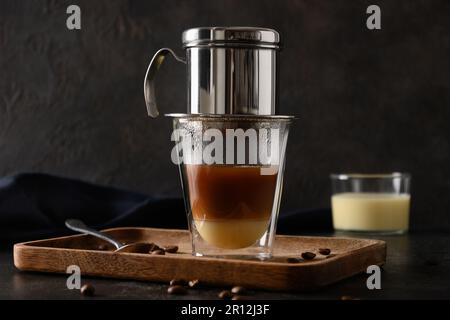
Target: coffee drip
pixel 231 84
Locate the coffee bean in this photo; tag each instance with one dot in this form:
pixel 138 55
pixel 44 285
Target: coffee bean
pixel 324 251
pixel 225 295
pixel 158 252
pixel 171 249
pixel 237 297
pixel 176 290
pixel 293 260
pixel 102 247
pixel 238 290
pixel 308 255
pixel 193 283
pixel 154 247
pixel 178 282
pixel 87 290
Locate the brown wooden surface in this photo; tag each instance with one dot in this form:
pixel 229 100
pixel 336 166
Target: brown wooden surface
pixel 352 256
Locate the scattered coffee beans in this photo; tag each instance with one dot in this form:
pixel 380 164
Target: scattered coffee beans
pixel 171 249
pixel 193 283
pixel 87 290
pixel 225 294
pixel 293 260
pixel 324 251
pixel 308 255
pixel 178 282
pixel 158 252
pixel 238 290
pixel 176 290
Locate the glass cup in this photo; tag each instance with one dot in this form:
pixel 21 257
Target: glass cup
pixel 376 203
pixel 231 170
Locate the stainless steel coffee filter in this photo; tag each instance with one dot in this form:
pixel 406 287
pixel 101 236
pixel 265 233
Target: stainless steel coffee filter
pixel 230 70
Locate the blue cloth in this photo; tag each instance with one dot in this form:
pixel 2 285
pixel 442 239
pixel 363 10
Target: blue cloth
pixel 35 205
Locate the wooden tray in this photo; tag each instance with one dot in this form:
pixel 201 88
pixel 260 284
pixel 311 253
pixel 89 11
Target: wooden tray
pixel 351 256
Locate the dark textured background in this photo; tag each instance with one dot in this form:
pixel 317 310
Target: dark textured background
pixel 71 102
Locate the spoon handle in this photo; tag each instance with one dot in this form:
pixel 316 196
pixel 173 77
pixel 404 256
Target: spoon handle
pixel 79 226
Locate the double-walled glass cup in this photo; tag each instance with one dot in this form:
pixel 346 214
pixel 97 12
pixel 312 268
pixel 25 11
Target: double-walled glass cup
pixel 375 203
pixel 231 170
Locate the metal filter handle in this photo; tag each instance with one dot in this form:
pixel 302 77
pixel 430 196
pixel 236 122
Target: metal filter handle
pixel 149 80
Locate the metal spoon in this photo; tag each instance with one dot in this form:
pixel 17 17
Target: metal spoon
pixel 137 247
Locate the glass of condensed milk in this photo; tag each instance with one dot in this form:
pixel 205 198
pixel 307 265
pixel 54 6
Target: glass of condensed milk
pixel 375 203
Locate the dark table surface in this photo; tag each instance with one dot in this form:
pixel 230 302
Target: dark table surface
pixel 417 267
